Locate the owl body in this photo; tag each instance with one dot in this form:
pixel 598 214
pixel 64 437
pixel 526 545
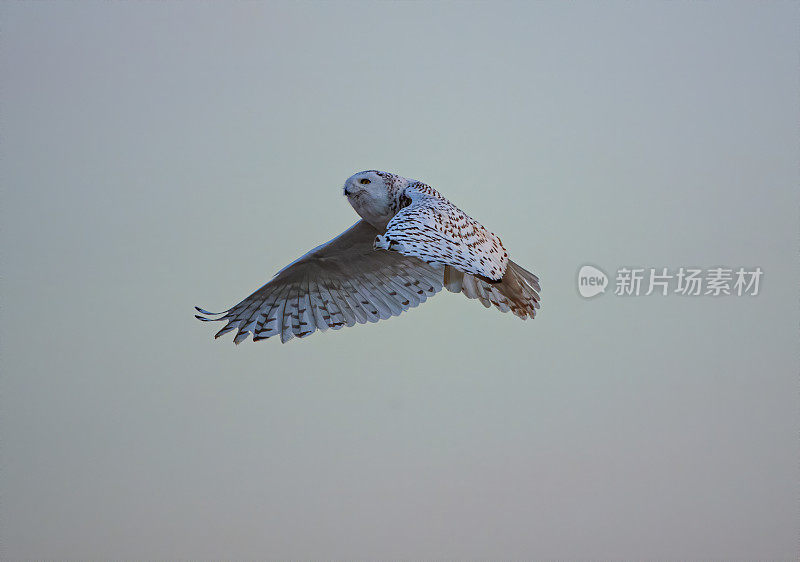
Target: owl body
pixel 411 242
pixel 424 224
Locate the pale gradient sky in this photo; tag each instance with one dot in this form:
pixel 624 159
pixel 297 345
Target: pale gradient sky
pixel 156 156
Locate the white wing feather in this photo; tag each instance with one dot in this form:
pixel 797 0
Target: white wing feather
pixel 434 230
pixel 340 283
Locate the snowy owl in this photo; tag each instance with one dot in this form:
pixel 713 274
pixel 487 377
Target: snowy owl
pixel 410 243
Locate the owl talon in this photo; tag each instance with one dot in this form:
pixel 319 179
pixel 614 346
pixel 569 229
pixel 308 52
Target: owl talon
pixel 381 243
pixel 386 243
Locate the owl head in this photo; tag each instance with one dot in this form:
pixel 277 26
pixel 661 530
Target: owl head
pixel 375 195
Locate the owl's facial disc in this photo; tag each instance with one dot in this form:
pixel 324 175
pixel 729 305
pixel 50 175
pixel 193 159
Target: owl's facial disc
pixel 369 196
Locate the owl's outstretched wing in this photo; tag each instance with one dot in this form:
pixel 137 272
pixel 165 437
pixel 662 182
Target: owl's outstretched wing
pixel 434 230
pixel 475 262
pixel 340 283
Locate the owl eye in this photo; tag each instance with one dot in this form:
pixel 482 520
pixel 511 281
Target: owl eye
pixel 364 181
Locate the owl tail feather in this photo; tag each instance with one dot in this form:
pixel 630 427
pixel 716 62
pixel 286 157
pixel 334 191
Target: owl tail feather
pixel 517 291
pixel 453 279
pixel 521 288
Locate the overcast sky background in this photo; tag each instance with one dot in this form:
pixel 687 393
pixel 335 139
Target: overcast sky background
pixel 157 156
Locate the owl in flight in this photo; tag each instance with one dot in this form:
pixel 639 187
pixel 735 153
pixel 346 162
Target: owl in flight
pixel 409 243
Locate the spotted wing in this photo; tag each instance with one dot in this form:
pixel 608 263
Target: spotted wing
pixel 340 283
pixel 434 230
